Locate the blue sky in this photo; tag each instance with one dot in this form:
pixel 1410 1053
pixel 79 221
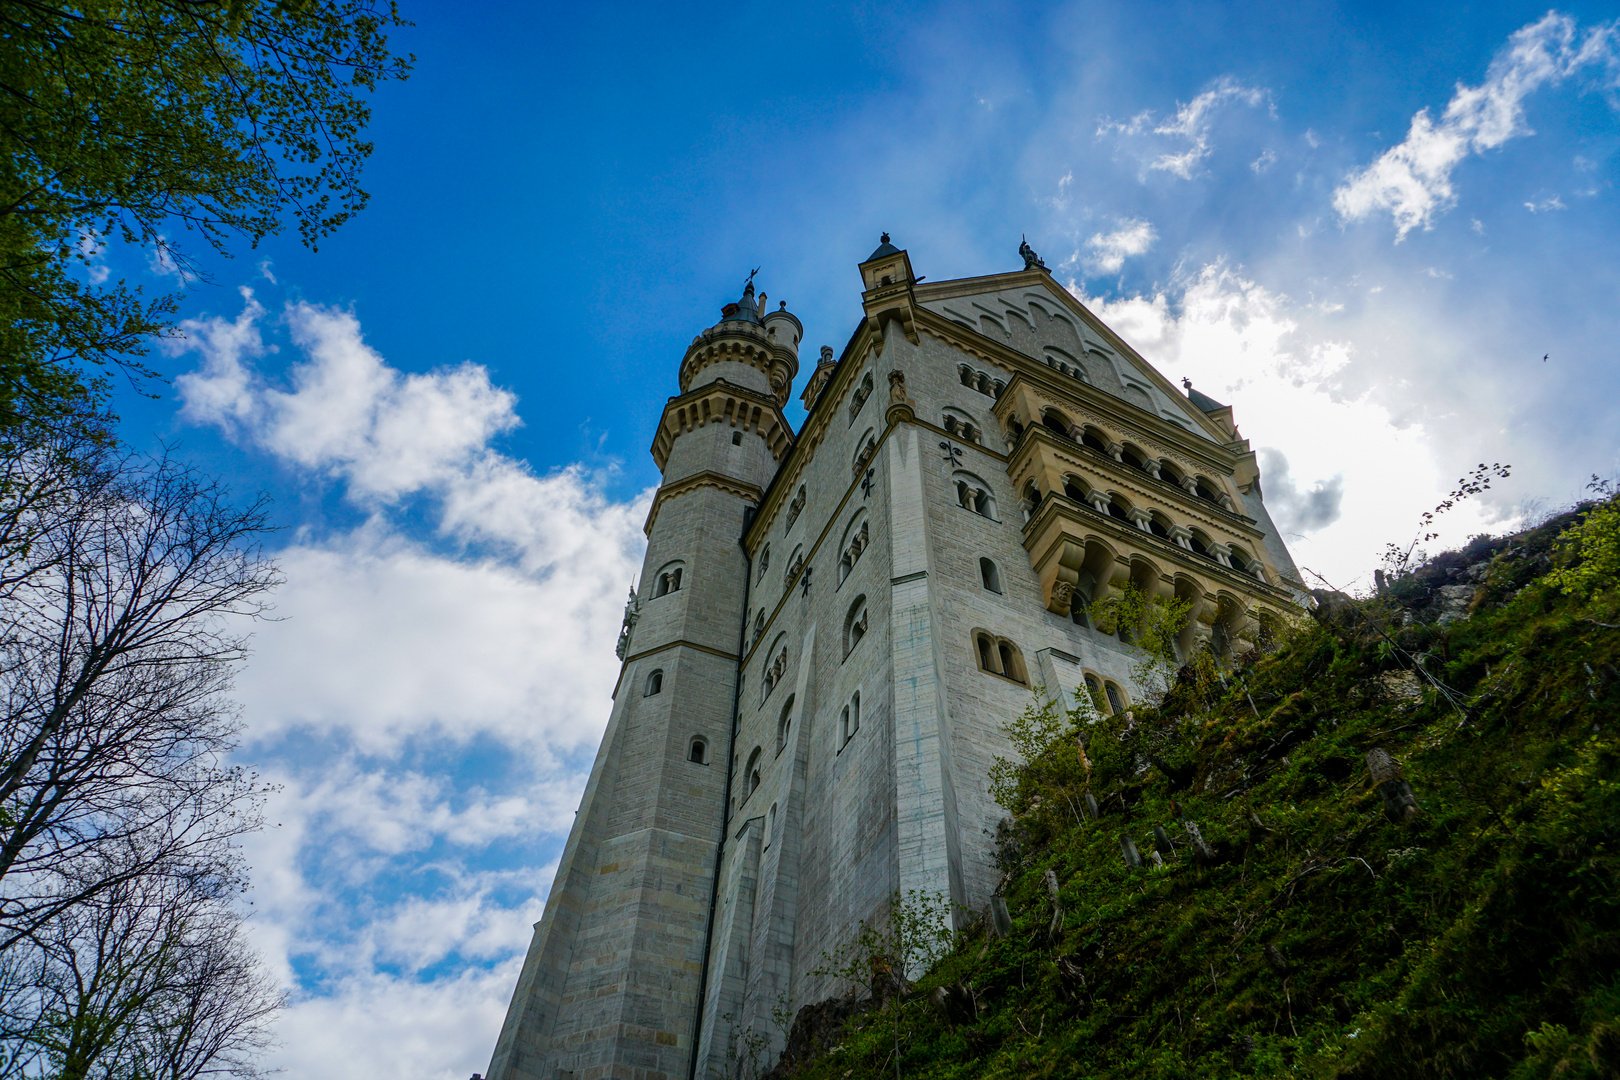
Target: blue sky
pixel 1363 226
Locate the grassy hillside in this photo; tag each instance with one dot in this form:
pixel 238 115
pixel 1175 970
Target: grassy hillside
pixel 1315 928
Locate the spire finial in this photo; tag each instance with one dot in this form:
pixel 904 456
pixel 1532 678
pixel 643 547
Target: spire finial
pixel 1186 382
pixel 884 239
pixel 748 286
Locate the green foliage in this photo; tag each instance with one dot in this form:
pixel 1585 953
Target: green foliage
pixel 1593 547
pixel 1305 933
pixel 129 120
pixel 1152 624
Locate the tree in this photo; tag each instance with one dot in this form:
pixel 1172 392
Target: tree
pixel 150 978
pixel 1591 548
pixel 128 120
pixel 115 660
pixel 887 954
pixel 123 583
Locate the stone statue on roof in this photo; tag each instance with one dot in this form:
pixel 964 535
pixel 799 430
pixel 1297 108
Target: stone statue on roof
pixel 1032 261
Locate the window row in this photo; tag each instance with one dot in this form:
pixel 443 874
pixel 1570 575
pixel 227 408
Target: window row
pixel 980 381
pixel 1115 505
pixel 1201 487
pixel 849 723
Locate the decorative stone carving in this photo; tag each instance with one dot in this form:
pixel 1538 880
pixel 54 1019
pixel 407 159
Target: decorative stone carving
pixel 1032 261
pixel 632 612
pixel 897 388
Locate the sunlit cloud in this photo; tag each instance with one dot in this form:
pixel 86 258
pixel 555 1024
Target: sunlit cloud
pixel 1412 180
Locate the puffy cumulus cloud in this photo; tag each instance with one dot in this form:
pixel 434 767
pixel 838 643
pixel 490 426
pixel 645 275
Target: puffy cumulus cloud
pixel 348 413
pixel 1243 345
pixel 1412 181
pixel 1190 127
pixel 426 705
pixel 1106 252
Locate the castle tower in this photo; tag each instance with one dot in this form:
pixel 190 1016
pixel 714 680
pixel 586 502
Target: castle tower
pixel 834 625
pixel 612 980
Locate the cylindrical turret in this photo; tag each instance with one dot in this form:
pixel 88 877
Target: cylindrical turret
pixel 744 349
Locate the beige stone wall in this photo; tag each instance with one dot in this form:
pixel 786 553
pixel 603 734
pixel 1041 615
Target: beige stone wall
pixel 836 824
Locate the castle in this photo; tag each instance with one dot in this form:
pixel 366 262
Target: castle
pixel 831 627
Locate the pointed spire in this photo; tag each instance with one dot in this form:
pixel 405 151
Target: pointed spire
pixel 745 309
pixel 884 248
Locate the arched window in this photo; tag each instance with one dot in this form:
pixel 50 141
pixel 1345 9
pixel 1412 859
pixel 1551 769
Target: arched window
pixel 1132 457
pixel 1245 561
pixel 655 683
pixel 973 494
pixel 1200 545
pixel 1094 690
pixel 1118 509
pixel 1205 490
pixel 736 438
pixel 794 507
pixel 867 451
pixel 851 719
pixel 770 828
pixel 999 656
pixel 1093 438
pixel 1159 526
pixel 667 580
pixel 784 725
pixel 1032 499
pixel 958 423
pixel 966 375
pixel 1056 423
pixel 794 566
pixel 698 754
pixel 764 561
pixel 751 774
pixel 989 575
pixel 858 398
pixel 855 625
pixel 852 545
pixel 1169 472
pixel 759 624
pixel 776 663
pixel 1116 697
pixel 1074 488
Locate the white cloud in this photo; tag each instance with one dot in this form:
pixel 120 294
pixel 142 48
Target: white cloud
pixel 1243 344
pixel 396 892
pixel 1541 206
pixel 1190 126
pixel 1264 161
pixel 1109 251
pixel 1192 122
pixel 1412 181
pixel 349 414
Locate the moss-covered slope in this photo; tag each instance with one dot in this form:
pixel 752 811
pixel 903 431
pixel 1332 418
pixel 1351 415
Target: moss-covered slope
pixel 1316 935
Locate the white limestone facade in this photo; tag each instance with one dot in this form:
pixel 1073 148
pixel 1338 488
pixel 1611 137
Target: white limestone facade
pixel 833 624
